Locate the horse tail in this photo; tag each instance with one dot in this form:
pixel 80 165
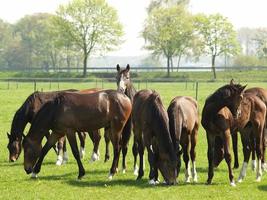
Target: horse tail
pixel 160 123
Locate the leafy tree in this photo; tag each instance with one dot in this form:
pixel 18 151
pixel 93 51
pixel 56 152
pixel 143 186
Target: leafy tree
pixel 167 32
pixel 217 35
pixel 5 40
pixel 92 25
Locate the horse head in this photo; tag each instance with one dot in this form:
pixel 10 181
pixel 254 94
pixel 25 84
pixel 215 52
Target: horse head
pixel 32 151
pixel 14 147
pixel 123 78
pixel 232 94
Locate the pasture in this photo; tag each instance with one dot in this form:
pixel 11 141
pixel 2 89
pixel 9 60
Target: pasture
pixel 60 182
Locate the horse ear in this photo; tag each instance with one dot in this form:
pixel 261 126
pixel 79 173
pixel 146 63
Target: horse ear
pixel 118 67
pixel 8 135
pixel 232 82
pixel 128 67
pixel 243 88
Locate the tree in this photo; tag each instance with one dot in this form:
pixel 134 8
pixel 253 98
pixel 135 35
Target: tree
pixel 92 25
pixel 5 40
pixel 217 35
pixel 167 32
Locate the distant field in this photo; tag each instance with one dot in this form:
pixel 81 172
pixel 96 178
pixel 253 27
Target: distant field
pixel 61 182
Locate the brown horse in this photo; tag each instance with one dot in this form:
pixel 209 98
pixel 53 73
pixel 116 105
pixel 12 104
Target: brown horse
pixel 151 130
pixel 27 112
pixel 213 122
pixel 24 115
pixel 184 124
pixel 262 94
pixel 71 112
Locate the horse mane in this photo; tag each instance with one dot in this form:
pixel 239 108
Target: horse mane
pixel 220 93
pixel 44 119
pixel 160 123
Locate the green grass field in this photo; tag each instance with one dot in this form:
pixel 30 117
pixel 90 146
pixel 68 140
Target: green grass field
pixel 56 182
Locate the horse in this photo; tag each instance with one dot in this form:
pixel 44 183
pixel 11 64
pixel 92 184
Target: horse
pixel 262 94
pixel 26 113
pixel 151 130
pixel 250 124
pixel 184 124
pixel 71 112
pixel 230 96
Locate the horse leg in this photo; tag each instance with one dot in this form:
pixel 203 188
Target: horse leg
pixel 185 138
pixel 264 143
pixel 47 135
pixel 227 155
pixel 253 152
pixel 259 152
pixel 60 145
pixel 193 154
pixel 65 154
pixel 135 152
pixel 95 136
pixel 126 134
pixel 75 151
pixel 53 138
pixel 235 148
pixel 82 137
pixel 107 141
pixel 115 133
pixel 246 152
pixel 152 163
pixel 211 142
pixel 141 148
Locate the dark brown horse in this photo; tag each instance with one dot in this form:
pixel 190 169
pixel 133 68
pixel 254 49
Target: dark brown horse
pixel 27 112
pixel 151 130
pixel 262 94
pixel 71 112
pixel 24 115
pixel 184 123
pixel 213 122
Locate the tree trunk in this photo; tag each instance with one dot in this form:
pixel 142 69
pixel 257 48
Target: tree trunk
pixel 179 60
pixel 171 64
pixel 168 66
pixel 85 65
pixel 213 66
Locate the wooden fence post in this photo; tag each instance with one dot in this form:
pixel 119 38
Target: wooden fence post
pixel 196 90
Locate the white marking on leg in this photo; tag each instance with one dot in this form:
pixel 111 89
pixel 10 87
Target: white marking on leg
pixel 194 172
pixel 65 158
pixel 188 173
pixel 253 165
pixel 243 172
pixel 110 176
pixel 233 184
pixel 136 170
pixel 34 175
pixel 82 152
pixel 259 171
pixel 59 160
pixel 123 171
pixel 152 182
pixel 94 157
pixel 264 167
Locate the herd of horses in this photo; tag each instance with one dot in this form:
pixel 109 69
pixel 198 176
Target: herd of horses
pixel 166 134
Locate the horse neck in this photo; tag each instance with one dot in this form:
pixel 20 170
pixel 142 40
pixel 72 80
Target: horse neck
pixel 19 123
pixel 211 109
pixel 130 91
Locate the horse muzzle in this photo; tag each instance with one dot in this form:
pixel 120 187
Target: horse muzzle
pixel 28 170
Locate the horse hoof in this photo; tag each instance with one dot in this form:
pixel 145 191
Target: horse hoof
pixel 264 167
pixel 240 180
pixel 152 182
pixel 124 171
pixel 94 157
pixel 195 180
pixel 59 162
pixel 258 179
pixel 110 177
pixel 34 175
pixel 233 184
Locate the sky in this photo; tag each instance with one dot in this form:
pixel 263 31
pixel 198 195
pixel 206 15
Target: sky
pixel 132 13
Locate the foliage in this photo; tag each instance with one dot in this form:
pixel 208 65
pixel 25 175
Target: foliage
pixel 92 25
pixel 248 61
pixel 168 32
pixel 217 35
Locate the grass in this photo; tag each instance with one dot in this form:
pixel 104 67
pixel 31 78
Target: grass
pixel 61 182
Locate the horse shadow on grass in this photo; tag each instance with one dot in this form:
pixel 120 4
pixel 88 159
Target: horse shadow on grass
pixel 262 188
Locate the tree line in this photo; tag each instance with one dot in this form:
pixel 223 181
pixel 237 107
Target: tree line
pixel 83 28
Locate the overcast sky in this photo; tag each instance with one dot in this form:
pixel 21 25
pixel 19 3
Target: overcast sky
pixel 248 13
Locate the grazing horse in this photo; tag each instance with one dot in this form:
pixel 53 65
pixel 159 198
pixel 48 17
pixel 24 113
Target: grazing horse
pixel 151 130
pixel 262 94
pixel 27 112
pixel 71 112
pixel 24 115
pixel 184 124
pixel 213 122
